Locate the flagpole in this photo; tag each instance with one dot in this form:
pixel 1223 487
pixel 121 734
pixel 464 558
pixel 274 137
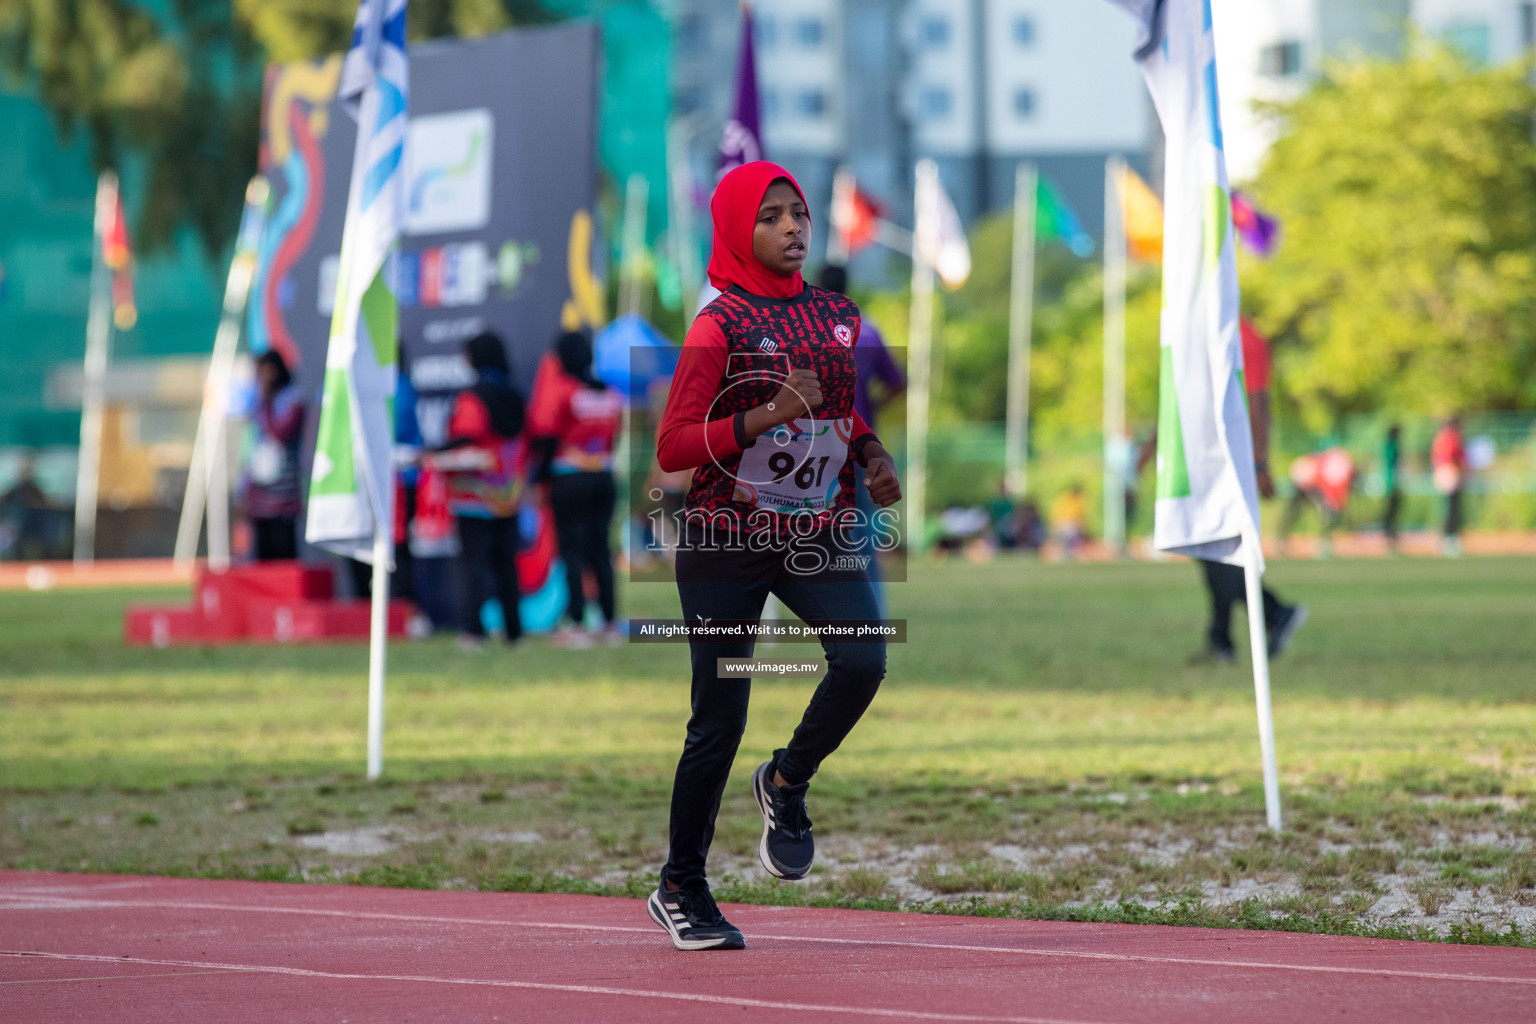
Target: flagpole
pixel 684 247
pixel 919 358
pixel 1258 641
pixel 98 347
pixel 637 193
pixel 1114 354
pixel 378 648
pixel 351 493
pixel 208 474
pixel 1021 302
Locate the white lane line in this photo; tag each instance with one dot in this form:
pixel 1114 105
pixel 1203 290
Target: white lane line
pixel 1375 972
pixel 597 990
pixel 117 977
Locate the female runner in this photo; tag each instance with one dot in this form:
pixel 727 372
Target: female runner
pixel 762 408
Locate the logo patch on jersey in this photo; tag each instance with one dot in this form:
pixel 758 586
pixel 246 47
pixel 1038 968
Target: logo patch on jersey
pixel 769 345
pixel 844 334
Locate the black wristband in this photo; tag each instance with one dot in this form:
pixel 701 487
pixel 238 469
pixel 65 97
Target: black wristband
pixel 739 425
pixel 858 444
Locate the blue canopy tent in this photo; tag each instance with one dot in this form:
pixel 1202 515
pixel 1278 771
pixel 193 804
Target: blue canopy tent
pixel 629 354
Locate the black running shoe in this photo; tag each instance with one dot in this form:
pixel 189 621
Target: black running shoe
pixel 691 917
pixel 787 848
pixel 1285 631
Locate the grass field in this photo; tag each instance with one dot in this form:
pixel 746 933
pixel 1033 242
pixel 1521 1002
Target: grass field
pixel 1040 747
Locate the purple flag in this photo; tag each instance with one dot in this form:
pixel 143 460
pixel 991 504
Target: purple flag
pixel 742 141
pixel 1258 230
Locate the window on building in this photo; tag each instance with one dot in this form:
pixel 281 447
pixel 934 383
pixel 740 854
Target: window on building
pixel 935 102
pixel 810 32
pixel 933 32
pixel 770 101
pixel 690 34
pixel 689 100
pixel 811 103
pixel 1472 39
pixel 1023 32
pixel 1281 60
pixel 1528 26
pixel 765 30
pixel 1023 102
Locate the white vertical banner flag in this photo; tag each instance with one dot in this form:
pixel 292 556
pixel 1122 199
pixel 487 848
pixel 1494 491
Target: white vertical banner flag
pixel 1207 487
pixel 351 498
pixel 1207 490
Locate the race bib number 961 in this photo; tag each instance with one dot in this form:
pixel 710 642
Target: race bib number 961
pixel 794 467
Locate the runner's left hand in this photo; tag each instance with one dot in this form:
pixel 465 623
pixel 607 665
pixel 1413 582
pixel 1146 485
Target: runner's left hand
pixel 880 478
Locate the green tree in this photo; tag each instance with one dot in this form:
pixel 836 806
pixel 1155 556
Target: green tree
pixel 1067 364
pixel 175 87
pixel 110 69
pixel 1406 279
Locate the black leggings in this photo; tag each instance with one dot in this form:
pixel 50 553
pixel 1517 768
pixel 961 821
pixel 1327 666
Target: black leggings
pixel 1227 586
pixel 734 584
pixel 488 550
pixel 277 538
pixel 583 508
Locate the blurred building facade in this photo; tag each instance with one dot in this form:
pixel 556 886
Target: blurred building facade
pixel 1271 50
pixel 978 85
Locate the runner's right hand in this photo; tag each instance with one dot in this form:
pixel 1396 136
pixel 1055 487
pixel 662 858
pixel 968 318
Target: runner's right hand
pixel 800 394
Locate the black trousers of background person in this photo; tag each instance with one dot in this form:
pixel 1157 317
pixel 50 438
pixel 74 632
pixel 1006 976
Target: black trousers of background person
pixel 1390 516
pixel 734 584
pixel 488 552
pixel 276 537
pixel 1453 513
pixel 583 507
pixel 402 582
pixel 1226 586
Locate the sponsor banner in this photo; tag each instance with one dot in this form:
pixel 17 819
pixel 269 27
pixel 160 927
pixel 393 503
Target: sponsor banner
pixel 500 180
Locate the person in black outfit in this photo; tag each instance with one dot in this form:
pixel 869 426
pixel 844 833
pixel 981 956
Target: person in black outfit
pixel 575 419
pixel 1226 583
pixel 485 487
pixel 762 409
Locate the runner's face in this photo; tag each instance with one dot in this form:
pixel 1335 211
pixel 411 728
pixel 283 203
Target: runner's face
pixel 782 235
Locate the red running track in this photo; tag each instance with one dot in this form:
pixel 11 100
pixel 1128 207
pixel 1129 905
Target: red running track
pixel 124 949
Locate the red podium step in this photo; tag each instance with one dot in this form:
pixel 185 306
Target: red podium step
pixel 271 602
pixel 287 622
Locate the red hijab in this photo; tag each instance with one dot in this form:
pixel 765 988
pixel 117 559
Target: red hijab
pixel 734 209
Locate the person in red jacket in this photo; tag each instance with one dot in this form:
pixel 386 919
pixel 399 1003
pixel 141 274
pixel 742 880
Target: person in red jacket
pixel 573 421
pixel 483 460
pixel 1448 457
pixel 762 405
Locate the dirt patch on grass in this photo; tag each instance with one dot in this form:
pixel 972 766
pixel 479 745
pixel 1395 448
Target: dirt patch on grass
pixel 1377 861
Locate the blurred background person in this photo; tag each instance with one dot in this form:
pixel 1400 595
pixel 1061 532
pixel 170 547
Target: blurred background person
pixel 1226 584
pixel 1391 460
pixel 1448 457
pixel 1322 481
pixel 573 422
pixel 270 487
pixel 481 456
pixel 963 528
pixel 1069 520
pixel 22 511
pixel 1005 519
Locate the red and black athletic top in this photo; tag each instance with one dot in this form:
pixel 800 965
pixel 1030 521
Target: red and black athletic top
pixel 735 358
